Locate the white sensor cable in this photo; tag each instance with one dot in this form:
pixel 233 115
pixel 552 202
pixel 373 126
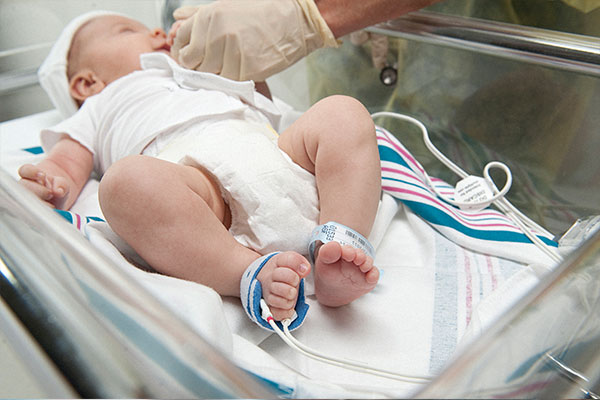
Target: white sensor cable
pixel 291 341
pixel 527 226
pixel 524 223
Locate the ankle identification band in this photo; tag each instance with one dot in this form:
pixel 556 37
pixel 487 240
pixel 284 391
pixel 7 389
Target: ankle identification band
pixel 334 232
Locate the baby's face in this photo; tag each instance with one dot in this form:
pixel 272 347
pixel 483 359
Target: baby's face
pixel 111 45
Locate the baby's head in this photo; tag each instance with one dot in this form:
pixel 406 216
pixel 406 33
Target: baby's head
pixel 94 50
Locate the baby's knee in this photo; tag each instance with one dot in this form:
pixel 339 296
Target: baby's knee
pixel 350 112
pixel 125 181
pixel 339 104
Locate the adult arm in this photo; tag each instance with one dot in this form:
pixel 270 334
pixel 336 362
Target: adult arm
pixel 346 16
pixel 243 40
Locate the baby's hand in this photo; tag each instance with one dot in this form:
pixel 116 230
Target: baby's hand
pixel 52 190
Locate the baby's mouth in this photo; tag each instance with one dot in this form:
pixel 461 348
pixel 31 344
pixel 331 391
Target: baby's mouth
pixel 166 48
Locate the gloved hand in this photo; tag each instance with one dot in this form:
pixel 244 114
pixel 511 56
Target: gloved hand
pixel 248 40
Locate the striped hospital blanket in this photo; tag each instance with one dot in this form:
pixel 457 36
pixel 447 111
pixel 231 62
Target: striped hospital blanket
pixel 487 231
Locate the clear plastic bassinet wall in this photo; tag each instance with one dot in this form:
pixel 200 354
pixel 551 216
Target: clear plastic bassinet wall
pixel 518 82
pixel 515 81
pixel 511 80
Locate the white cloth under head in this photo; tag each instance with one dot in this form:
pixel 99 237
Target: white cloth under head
pixel 160 101
pixel 273 201
pixel 52 74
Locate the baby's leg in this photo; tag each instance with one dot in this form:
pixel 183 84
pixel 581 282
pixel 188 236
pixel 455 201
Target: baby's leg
pixel 335 139
pixel 176 220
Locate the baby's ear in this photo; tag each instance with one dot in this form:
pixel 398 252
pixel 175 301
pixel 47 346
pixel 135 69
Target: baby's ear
pixel 85 83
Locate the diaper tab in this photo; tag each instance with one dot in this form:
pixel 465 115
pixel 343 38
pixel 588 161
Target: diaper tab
pixel 251 294
pixel 334 232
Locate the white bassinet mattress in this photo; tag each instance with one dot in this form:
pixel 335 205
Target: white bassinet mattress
pixel 433 295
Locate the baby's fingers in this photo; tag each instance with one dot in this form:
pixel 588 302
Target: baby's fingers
pixel 60 190
pixel 32 172
pixel 36 188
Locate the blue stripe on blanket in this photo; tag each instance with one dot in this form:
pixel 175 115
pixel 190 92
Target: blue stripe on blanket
pixel 462 280
pixel 444 335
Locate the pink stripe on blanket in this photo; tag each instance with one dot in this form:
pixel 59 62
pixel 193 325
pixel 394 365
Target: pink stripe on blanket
pixel 400 172
pixel 448 209
pixel 408 156
pixel 468 288
pixel 490 268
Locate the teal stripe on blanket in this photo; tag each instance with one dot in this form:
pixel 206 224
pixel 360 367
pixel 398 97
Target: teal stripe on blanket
pixel 66 215
pixel 438 217
pixel 69 216
pixel 283 391
pixel 34 150
pixel 390 155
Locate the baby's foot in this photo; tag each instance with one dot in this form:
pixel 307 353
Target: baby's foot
pixel 343 274
pixel 280 280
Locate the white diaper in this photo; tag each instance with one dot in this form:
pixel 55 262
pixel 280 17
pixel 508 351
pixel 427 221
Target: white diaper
pixel 273 201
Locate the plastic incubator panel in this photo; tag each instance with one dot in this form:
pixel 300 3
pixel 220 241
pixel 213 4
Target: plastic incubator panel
pixel 546 347
pixel 105 334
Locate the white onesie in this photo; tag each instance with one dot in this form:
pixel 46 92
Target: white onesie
pixel 202 119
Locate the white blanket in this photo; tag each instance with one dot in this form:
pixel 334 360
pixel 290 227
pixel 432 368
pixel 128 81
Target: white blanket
pixel 430 292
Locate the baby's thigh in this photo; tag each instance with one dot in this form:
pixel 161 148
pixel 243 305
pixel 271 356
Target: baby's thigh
pixel 333 122
pixel 138 177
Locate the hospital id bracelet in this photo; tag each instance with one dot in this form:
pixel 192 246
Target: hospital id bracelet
pixel 334 232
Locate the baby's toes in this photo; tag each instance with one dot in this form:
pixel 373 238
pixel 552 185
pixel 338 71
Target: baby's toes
pixel 366 265
pixel 329 253
pixel 282 300
pixel 294 263
pixel 286 293
pixel 286 277
pixel 372 276
pixel 348 253
pixel 278 302
pixel 361 258
pixel 279 314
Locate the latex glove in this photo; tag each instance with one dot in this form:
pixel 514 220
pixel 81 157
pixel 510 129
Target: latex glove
pixel 248 40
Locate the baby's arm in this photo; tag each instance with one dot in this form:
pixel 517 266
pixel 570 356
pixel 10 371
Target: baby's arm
pixel 59 178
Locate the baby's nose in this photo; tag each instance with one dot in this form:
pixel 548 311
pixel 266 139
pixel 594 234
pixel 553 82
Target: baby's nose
pixel 158 32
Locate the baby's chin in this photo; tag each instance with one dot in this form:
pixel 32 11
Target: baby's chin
pixel 163 51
